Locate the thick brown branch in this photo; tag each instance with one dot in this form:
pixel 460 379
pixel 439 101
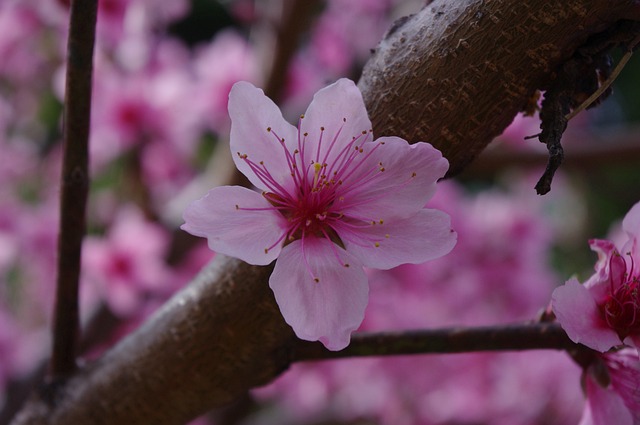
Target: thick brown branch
pixel 75 184
pixel 525 336
pixel 456 73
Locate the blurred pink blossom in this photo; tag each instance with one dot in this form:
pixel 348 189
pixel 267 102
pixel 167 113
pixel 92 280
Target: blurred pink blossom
pixel 120 21
pixel 333 201
pixel 605 311
pixel 128 264
pixel 21 26
pixel 227 59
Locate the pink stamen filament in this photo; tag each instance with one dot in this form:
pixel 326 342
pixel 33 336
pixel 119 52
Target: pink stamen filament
pixel 346 155
pixel 621 310
pixel 280 239
pixel 353 169
pixel 291 160
pixel 265 176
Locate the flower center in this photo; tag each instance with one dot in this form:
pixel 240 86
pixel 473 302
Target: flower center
pixel 310 213
pixel 621 310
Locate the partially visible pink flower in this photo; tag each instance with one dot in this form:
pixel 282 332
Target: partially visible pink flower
pixel 613 389
pixel 605 311
pixel 333 200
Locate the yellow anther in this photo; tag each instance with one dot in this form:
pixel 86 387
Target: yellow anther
pixel 377 245
pixel 386 236
pixel 381 221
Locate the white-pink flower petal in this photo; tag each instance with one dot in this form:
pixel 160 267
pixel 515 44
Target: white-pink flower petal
pixel 579 316
pixel 631 225
pixel 419 238
pixel 335 111
pixel 318 295
pixel 631 221
pixel 256 125
pixel 237 222
pixel 395 179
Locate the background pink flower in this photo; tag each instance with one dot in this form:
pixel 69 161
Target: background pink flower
pixel 127 266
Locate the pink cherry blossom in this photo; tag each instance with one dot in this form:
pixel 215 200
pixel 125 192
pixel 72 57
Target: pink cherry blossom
pixel 333 200
pixel 613 389
pixel 605 311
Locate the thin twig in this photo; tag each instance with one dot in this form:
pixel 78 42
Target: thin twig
pixel 521 336
pixel 75 184
pixel 605 85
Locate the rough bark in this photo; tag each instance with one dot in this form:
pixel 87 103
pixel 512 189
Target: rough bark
pixel 454 75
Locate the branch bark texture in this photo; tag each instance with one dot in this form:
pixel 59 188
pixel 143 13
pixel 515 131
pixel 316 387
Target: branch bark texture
pixel 454 75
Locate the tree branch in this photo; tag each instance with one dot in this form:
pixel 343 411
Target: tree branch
pixel 75 184
pixel 454 75
pixel 524 336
